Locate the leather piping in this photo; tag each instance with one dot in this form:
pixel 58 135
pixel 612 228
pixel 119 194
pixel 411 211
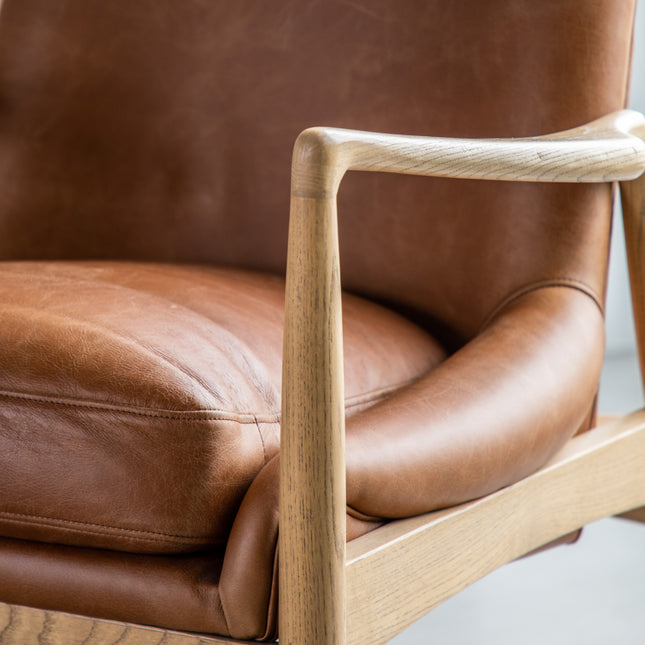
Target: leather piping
pixel 191 416
pixel 141 535
pixel 570 283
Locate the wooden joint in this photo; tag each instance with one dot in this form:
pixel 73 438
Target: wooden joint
pixel 316 170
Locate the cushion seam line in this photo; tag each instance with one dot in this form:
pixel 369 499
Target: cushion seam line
pixel 212 415
pixel 141 534
pixel 563 282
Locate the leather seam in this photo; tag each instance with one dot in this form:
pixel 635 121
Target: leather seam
pixel 377 394
pixel 264 448
pixel 359 515
pixel 141 535
pixel 270 631
pixel 196 415
pixel 178 415
pixel 570 283
pixel 221 604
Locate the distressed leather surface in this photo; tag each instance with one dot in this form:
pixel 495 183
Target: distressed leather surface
pixel 138 401
pixel 161 131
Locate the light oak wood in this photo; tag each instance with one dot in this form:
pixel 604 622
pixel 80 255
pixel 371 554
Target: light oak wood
pixel 608 149
pixel 312 450
pixel 398 573
pixel 312 582
pixel 27 626
pixel 312 572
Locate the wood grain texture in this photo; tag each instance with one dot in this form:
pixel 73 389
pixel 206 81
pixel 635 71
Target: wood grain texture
pixel 27 626
pixel 398 573
pixel 312 450
pixel 312 524
pixel 608 149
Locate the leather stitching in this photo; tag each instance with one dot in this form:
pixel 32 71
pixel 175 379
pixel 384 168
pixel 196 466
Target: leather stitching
pixel 264 448
pixel 141 535
pixel 363 398
pixel 177 415
pixel 570 283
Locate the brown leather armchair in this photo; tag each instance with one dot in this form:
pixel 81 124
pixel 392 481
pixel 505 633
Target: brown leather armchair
pixel 145 150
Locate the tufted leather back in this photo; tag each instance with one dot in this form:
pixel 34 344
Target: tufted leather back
pixel 162 129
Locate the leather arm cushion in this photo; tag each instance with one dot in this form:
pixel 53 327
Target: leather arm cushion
pixel 489 415
pixel 249 580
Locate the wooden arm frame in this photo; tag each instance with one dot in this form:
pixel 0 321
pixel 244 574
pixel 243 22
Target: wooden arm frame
pixel 313 569
pixel 392 576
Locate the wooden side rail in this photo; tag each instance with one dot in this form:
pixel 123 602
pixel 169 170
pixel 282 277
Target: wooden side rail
pixel 398 573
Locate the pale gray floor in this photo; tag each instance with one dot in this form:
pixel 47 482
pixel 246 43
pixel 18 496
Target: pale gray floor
pixel 591 593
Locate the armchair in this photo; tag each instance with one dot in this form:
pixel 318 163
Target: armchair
pixel 145 153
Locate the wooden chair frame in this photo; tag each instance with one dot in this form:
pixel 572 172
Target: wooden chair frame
pixel 380 583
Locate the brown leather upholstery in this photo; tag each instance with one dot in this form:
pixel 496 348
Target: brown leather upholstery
pixel 157 387
pixel 161 132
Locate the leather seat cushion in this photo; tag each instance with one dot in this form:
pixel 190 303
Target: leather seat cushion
pixel 138 401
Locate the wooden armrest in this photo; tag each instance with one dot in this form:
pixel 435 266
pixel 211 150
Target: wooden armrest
pixel 312 481
pixel 608 149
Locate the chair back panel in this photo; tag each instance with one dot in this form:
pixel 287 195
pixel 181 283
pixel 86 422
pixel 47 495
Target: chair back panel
pixel 162 130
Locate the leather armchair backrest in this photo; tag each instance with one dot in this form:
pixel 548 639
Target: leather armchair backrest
pixel 162 130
